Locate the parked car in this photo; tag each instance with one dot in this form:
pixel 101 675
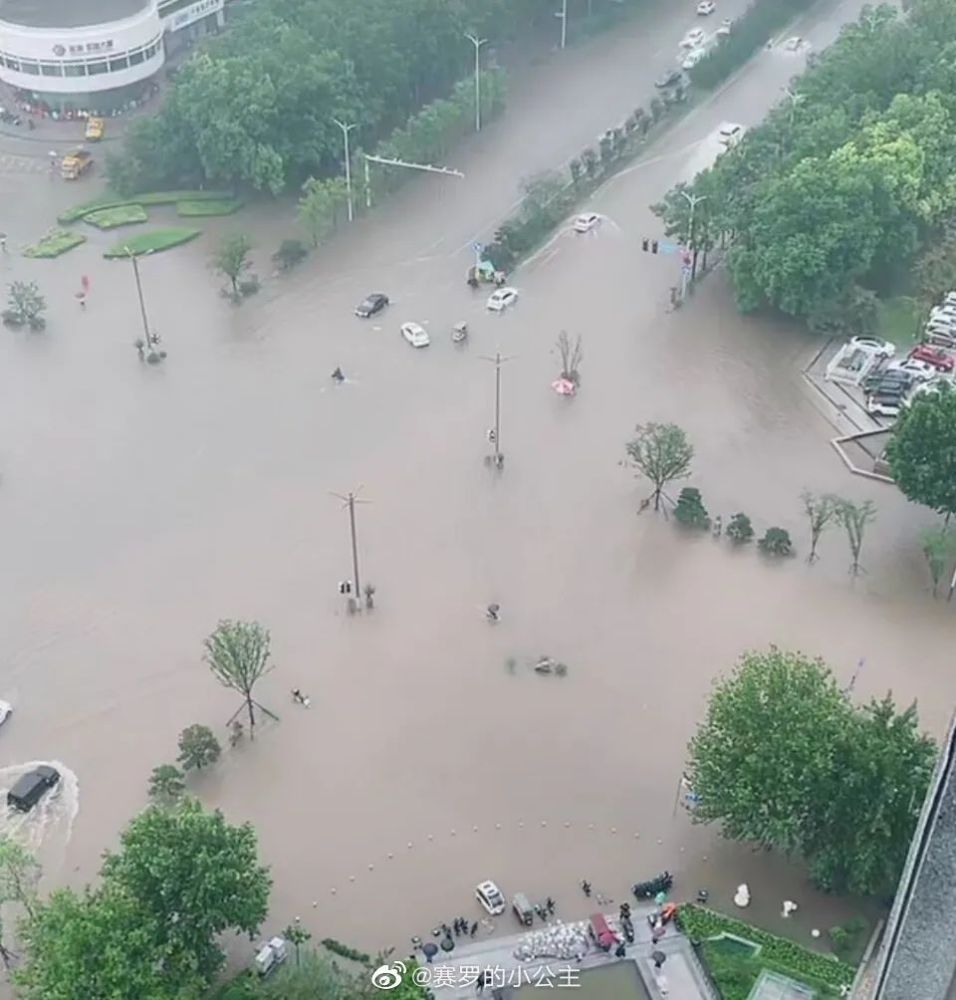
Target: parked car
pixel 585 222
pixel 271 955
pixel 921 371
pixel 501 298
pixel 693 58
pixel 884 406
pixel 934 356
pixel 669 79
pixel 415 334
pixel 95 127
pixel 371 305
pixel 940 336
pixel 489 895
pixel 882 348
pixel 522 909
pixel 793 44
pixel 31 787
pixel 725 27
pixel 889 378
pixel 5 709
pixel 706 7
pixel 694 38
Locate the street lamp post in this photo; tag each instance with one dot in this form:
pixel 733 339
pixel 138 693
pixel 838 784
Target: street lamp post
pixel 477 42
pixel 348 161
pixel 498 459
pixel 693 200
pixel 142 301
pixel 563 14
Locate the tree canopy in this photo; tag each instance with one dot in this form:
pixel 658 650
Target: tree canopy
pixel 922 451
pixel 847 177
pixel 783 759
pixel 256 107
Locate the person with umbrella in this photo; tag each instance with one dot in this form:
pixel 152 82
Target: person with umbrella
pixel 429 950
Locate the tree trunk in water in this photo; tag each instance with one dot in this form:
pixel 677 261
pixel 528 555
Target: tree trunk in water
pixel 252 717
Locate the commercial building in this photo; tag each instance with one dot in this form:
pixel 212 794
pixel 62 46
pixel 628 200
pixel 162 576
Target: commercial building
pixel 94 55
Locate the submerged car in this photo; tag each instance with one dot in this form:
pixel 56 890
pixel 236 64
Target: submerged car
pixel 371 305
pixel 706 7
pixel 31 787
pixel 693 58
pixel 693 38
pixel 501 298
pixel 415 334
pixel 669 79
pixel 585 222
pixel 490 897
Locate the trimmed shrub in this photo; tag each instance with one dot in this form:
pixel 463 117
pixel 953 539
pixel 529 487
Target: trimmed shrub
pixel 776 542
pixel 690 509
pixel 740 529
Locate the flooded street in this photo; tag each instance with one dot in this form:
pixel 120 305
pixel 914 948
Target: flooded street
pixel 140 506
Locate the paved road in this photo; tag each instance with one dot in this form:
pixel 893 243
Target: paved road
pixel 140 506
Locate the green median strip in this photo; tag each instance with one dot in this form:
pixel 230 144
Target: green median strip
pixel 152 242
pixel 150 198
pixel 55 243
pixel 120 215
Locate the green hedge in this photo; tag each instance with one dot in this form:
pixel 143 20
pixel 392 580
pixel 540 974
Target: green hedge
pixel 208 207
pixel 747 34
pixel 152 242
pixel 55 243
pixel 150 198
pixel 701 924
pixel 119 215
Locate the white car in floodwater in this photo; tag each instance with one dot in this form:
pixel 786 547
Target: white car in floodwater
pixel 501 298
pixel 415 334
pixel 5 709
pixel 490 897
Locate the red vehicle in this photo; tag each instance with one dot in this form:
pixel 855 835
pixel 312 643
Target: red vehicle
pixel 601 931
pixel 934 356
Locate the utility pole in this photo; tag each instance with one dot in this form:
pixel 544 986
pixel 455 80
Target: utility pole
pixel 693 200
pixel 349 501
pixel 142 301
pixel 564 22
pixel 498 458
pixel 348 161
pixel 477 42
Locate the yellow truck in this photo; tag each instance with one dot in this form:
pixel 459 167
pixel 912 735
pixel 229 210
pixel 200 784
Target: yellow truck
pixel 75 164
pixel 95 127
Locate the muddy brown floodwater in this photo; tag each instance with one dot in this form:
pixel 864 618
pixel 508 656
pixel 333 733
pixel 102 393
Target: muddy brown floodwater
pixel 139 506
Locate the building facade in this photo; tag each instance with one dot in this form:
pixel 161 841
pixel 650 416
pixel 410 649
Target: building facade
pixel 94 55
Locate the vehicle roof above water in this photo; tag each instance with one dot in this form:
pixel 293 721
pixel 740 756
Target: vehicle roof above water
pixel 68 13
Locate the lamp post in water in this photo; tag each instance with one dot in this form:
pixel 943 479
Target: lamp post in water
pixel 349 501
pixel 477 42
pixel 498 458
pixel 348 163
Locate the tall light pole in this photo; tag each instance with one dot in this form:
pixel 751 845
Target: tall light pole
pixel 497 361
pixel 693 200
pixel 348 161
pixel 563 14
pixel 385 161
pixel 349 501
pixel 139 291
pixel 477 42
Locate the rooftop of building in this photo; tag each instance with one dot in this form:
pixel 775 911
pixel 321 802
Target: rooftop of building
pixel 66 14
pixel 919 958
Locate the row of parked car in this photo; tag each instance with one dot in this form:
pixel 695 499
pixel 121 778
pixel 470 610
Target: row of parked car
pixel 894 383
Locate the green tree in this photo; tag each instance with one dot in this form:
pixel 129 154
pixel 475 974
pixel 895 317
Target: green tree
pixel 939 548
pixel 740 529
pixel 195 865
pixel 25 306
pixel 662 454
pixel 821 510
pixel 767 737
pixel 855 517
pixel 167 784
pixel 19 875
pixel 315 209
pixel 198 748
pixel 238 655
pixel 922 451
pixel 98 944
pixel 232 259
pixel 690 510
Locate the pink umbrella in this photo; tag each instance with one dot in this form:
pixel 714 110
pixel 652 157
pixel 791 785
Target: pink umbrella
pixel 564 387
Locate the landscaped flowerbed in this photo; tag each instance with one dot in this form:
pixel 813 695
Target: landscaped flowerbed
pixel 54 243
pixel 734 971
pixel 119 215
pixel 150 198
pixel 208 207
pixel 152 242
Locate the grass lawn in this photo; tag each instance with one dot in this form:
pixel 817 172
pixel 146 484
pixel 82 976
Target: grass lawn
pixel 150 198
pixel 735 969
pixel 208 207
pixel 54 243
pixel 152 242
pixel 120 215
pixel 898 320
